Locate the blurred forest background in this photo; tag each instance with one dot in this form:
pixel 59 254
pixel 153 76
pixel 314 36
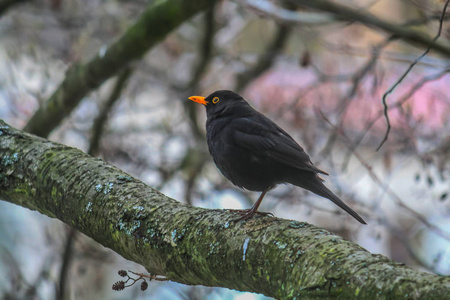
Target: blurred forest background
pixel 321 78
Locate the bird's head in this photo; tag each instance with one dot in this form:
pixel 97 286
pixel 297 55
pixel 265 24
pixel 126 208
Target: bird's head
pixel 219 101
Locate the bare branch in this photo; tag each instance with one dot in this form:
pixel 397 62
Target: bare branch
pixel 7 4
pixel 378 181
pixel 99 123
pixel 433 62
pixel 420 83
pixel 366 18
pixel 266 60
pixel 394 86
pixel 160 18
pixel 287 16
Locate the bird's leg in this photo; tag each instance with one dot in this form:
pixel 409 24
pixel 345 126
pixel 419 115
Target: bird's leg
pixel 248 213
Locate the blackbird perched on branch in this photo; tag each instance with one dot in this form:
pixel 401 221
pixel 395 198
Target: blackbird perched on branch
pixel 256 154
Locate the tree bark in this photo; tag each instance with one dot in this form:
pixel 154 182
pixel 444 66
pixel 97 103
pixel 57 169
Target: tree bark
pixel 154 24
pixel 279 258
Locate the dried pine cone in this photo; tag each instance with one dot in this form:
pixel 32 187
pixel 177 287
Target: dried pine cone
pixel 118 286
pixel 122 273
pixel 144 285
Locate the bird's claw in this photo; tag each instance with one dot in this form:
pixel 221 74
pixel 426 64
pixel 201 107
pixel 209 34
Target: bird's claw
pixel 249 213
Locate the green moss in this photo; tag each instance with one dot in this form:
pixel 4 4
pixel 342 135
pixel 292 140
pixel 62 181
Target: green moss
pixel 54 193
pixel 49 154
pixel 115 235
pixel 22 189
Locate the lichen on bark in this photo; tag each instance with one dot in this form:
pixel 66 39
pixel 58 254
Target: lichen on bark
pixel 281 258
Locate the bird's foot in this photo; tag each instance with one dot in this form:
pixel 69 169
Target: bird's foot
pixel 249 213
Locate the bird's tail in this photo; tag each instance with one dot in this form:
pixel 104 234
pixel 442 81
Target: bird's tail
pixel 317 187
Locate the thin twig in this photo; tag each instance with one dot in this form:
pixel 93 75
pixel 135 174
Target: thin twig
pixel 67 259
pixel 397 83
pixel 266 60
pixel 191 163
pixel 378 181
pixel 102 118
pixel 398 104
pixel 368 19
pixel 149 276
pixel 205 56
pixel 390 55
pixel 286 16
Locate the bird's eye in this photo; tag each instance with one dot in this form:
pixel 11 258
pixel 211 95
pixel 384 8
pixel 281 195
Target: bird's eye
pixel 215 100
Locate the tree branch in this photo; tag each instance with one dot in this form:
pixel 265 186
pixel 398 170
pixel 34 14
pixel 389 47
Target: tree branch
pixel 154 24
pixel 366 18
pixel 7 4
pixel 191 245
pixel 403 76
pixel 102 118
pixel 287 16
pixel 266 60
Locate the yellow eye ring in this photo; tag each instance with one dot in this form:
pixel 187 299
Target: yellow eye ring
pixel 215 100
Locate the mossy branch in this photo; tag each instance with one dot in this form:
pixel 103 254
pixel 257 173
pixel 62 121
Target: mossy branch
pixel 279 258
pixel 160 18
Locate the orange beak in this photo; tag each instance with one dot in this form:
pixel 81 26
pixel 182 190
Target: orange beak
pixel 198 99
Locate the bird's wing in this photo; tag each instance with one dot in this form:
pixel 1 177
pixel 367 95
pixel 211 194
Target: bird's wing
pixel 264 138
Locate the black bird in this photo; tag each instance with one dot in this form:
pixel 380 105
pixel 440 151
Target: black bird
pixel 256 154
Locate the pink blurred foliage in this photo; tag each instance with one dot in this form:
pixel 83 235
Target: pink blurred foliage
pixel 299 91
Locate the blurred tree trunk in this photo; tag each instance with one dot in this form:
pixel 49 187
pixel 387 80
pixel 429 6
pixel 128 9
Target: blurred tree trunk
pixel 276 257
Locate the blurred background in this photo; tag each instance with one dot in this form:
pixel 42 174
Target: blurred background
pixel 321 79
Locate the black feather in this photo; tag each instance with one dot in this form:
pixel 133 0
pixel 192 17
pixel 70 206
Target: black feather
pixel 256 154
